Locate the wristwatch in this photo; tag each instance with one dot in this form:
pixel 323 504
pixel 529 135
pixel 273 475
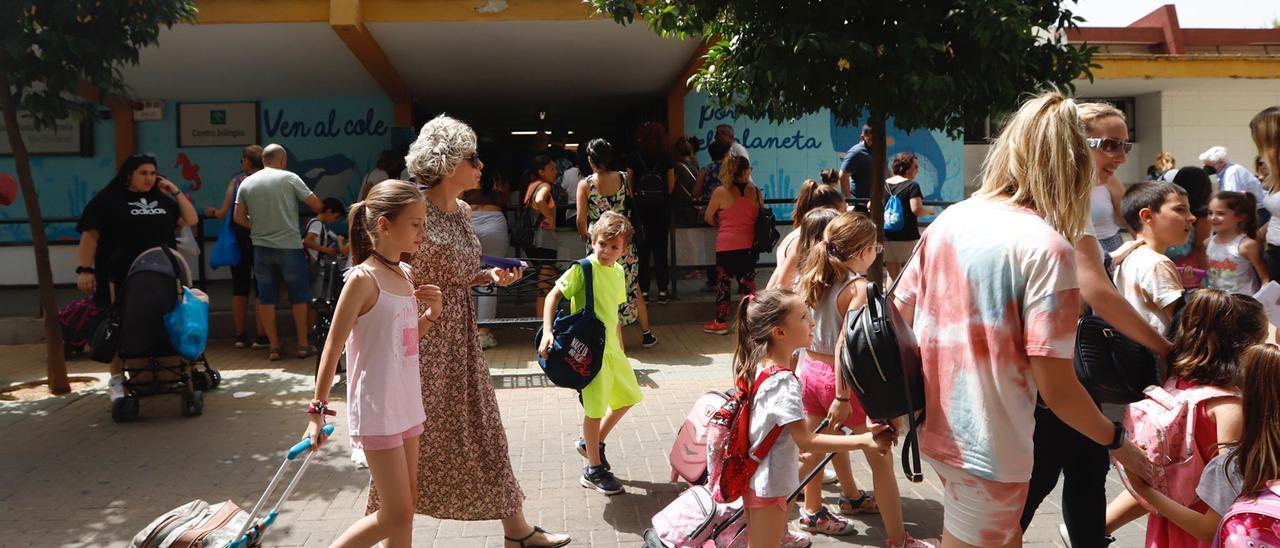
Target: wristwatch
pixel 85 270
pixel 1120 437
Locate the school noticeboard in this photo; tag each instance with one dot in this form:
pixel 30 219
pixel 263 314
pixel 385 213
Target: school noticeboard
pixel 66 137
pixel 217 124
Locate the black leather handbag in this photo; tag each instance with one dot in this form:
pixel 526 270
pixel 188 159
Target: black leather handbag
pixel 1111 367
pixel 881 362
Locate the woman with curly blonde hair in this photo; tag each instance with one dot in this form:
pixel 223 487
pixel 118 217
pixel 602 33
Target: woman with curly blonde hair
pixel 464 469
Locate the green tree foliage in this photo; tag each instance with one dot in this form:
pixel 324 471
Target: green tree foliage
pixel 48 48
pixel 928 64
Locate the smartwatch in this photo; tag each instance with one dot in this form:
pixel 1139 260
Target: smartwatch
pixel 1120 437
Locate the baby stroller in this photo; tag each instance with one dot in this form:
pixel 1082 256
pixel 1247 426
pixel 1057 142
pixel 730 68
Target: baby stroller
pixel 332 271
pixel 151 366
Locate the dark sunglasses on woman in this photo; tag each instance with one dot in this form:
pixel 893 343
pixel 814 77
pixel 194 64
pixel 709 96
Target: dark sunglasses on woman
pixel 1109 146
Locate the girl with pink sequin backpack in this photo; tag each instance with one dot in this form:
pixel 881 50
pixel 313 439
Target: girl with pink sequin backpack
pixel 1237 498
pixel 1184 424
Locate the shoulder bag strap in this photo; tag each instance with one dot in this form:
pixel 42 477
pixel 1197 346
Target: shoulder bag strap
pixel 590 303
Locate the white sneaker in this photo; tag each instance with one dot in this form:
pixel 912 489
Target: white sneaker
pixel 829 477
pixel 115 387
pixel 357 456
pixel 1064 535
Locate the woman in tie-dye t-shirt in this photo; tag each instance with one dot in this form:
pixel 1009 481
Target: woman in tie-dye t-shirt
pixel 993 300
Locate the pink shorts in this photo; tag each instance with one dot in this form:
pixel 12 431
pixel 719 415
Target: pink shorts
pixel 750 500
pixel 819 380
pixel 978 511
pixel 379 443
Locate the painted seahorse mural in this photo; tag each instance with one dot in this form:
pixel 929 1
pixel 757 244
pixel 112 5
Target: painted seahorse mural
pixel 190 171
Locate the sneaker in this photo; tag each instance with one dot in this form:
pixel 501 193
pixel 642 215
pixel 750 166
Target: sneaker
pixel 241 342
pixel 829 477
pixel 358 458
pixel 581 444
pixel 260 343
pixel 115 387
pixel 663 297
pixel 796 539
pixel 602 480
pixel 716 328
pixel 649 340
pixel 823 521
pixel 910 542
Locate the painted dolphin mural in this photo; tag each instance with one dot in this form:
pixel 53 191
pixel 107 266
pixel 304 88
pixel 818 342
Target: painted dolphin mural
pixel 924 144
pixel 328 176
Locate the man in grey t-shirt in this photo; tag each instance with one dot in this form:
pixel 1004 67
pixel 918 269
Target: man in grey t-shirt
pixel 267 204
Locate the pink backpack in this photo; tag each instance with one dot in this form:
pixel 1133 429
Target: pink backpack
pixel 695 519
pixel 1251 522
pixel 1164 424
pixel 689 454
pixel 731 461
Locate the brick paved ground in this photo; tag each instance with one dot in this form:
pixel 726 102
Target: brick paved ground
pixel 69 476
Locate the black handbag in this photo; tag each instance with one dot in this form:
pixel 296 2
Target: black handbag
pixel 766 233
pixel 1111 367
pixel 578 342
pixel 881 362
pixel 106 339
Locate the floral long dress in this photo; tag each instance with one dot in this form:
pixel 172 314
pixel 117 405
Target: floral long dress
pixel 597 204
pixel 464 470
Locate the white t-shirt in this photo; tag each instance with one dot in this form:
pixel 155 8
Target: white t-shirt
pixel 1149 281
pixel 324 236
pixel 1272 204
pixel 777 403
pixel 1237 178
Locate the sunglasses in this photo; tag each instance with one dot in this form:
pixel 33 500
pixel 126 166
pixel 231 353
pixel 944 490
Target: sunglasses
pixel 878 248
pixel 1110 146
pixel 474 159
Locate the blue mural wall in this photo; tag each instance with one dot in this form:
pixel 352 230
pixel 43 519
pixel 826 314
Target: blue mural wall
pixel 784 155
pixel 332 142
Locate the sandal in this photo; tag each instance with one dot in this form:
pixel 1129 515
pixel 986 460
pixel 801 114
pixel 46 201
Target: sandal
pixel 274 355
pixel 823 521
pixel 524 541
pixel 864 504
pixel 303 354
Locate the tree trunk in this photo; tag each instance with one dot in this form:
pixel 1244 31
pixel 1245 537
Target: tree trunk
pixel 876 207
pixel 55 361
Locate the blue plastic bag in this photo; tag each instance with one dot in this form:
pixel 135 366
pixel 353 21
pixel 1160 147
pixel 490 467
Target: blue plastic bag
pixel 893 220
pixel 188 323
pixel 226 251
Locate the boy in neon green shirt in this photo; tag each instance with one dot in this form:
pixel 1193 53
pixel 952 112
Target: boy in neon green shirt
pixel 614 390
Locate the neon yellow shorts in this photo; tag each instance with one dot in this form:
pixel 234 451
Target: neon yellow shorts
pixel 614 388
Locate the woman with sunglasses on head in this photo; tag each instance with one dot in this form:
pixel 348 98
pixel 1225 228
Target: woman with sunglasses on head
pixel 464 468
pixel 1059 449
pixel 138 210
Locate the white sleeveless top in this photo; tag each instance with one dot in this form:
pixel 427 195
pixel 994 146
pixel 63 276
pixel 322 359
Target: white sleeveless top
pixel 828 318
pixel 1228 270
pixel 384 390
pixel 1103 213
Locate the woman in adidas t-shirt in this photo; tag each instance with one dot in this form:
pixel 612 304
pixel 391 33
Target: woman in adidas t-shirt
pixel 138 210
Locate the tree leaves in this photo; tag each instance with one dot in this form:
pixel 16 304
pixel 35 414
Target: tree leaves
pixel 50 46
pixel 931 64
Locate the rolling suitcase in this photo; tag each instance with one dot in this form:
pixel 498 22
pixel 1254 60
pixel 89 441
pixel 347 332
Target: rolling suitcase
pixel 198 524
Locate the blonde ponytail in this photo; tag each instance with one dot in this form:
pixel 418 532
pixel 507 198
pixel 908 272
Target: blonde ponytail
pixel 386 199
pixel 824 263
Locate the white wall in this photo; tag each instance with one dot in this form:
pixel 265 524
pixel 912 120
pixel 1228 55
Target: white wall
pixel 1194 120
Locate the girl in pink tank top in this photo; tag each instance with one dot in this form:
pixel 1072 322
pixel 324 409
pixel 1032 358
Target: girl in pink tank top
pixel 378 323
pixel 733 210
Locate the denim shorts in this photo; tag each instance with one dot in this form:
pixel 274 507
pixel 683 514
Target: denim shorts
pixel 272 265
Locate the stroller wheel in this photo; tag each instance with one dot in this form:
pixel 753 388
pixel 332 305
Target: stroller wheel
pixel 124 409
pixel 214 376
pixel 193 403
pixel 200 380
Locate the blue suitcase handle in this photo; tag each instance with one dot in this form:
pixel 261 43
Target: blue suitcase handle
pixel 303 445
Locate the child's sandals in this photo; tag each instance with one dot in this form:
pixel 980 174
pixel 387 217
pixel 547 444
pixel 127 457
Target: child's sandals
pixel 526 543
pixel 864 504
pixel 824 522
pixel 273 355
